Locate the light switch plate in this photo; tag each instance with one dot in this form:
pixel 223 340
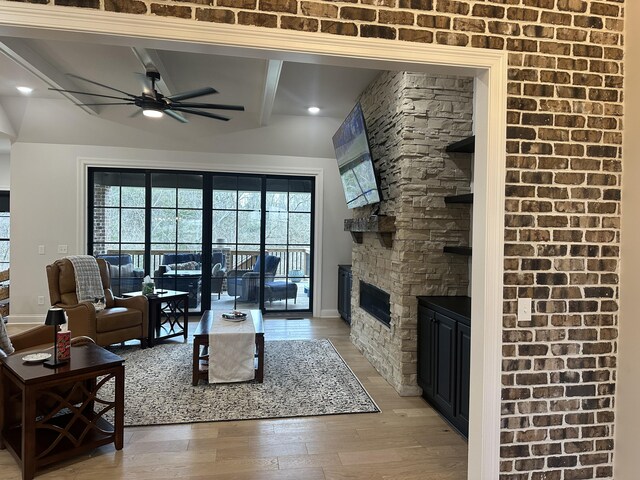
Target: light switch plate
pixel 40 249
pixel 524 309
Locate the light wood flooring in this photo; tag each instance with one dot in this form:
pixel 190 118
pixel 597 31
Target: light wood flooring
pixel 407 440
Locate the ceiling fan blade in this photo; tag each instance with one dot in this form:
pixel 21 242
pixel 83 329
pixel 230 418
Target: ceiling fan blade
pixel 92 94
pixel 110 103
pixel 176 116
pixel 192 94
pixel 216 106
pixel 99 84
pixel 202 114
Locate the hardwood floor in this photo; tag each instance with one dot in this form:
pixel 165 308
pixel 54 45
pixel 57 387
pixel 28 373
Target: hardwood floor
pixel 407 440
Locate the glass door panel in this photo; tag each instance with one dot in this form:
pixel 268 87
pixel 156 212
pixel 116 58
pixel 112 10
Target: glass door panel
pixel 176 234
pixel 288 233
pixel 235 232
pixel 118 233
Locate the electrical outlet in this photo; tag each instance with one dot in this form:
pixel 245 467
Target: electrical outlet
pixel 40 249
pixel 40 300
pixel 62 248
pixel 524 309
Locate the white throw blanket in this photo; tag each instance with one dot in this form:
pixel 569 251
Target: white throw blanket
pixel 6 348
pixel 88 281
pixel 231 350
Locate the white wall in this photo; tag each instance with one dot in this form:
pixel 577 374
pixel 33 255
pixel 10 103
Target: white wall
pixel 4 171
pixel 628 386
pixel 48 207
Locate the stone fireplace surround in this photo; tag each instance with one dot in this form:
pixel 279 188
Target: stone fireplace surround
pixel 411 118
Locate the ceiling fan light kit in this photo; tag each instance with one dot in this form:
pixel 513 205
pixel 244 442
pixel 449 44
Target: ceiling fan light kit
pixel 148 112
pixel 154 104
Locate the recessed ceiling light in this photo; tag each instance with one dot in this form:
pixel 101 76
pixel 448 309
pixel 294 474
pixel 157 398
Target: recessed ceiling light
pixel 152 113
pixel 313 110
pixel 25 90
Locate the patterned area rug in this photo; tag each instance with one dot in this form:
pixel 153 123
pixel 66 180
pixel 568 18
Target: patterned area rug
pixel 301 378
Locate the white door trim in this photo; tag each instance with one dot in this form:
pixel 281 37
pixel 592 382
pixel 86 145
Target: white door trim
pixel 487 66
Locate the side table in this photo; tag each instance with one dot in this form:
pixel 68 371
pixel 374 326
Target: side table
pixel 168 314
pixel 49 415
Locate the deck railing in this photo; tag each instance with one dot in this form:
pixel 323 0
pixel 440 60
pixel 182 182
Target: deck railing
pixel 291 259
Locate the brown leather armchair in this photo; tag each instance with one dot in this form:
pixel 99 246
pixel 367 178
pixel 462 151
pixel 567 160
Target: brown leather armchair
pixel 122 319
pixel 40 336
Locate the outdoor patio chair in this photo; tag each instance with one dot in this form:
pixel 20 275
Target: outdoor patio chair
pixel 244 284
pixel 124 276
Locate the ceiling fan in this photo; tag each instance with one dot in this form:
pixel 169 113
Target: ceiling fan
pixel 155 104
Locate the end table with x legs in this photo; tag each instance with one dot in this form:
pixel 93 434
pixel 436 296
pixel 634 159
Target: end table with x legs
pixel 53 414
pixel 168 314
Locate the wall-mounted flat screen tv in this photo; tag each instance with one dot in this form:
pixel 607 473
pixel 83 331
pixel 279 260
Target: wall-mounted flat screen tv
pixel 354 161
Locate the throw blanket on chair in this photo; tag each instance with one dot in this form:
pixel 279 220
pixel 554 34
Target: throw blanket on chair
pixel 5 342
pixel 88 281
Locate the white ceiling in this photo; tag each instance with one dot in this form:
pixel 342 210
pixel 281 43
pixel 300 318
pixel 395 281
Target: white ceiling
pixel 272 102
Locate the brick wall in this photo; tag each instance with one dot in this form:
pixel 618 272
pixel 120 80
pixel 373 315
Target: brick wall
pixel 563 194
pixel 411 118
pixel 99 219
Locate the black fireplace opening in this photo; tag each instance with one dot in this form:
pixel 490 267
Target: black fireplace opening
pixel 375 302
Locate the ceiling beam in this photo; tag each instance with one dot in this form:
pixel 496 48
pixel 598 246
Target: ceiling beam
pixel 271 80
pixel 34 62
pixel 151 60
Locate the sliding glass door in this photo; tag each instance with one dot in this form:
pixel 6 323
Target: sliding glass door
pixel 236 223
pixel 176 234
pixel 253 249
pixel 117 226
pixel 288 233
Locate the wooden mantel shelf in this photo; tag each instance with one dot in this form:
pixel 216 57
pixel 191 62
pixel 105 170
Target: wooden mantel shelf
pixel 382 225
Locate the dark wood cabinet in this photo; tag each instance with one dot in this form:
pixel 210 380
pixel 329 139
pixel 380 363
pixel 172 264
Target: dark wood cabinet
pixel 344 292
pixel 463 373
pixel 444 346
pixel 445 361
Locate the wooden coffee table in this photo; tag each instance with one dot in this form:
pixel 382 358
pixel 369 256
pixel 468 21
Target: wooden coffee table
pixel 201 346
pixel 51 414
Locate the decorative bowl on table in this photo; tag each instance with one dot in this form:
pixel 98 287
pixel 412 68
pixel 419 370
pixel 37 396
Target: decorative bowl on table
pixel 36 357
pixel 234 316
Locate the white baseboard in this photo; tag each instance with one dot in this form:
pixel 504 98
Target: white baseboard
pixel 329 313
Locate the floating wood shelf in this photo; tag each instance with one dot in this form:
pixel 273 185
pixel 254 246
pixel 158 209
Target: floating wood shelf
pixel 463 198
pixel 383 226
pixel 457 250
pixel 463 146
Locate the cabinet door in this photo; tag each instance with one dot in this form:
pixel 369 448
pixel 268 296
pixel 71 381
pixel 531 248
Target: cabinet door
pixel 426 319
pixel 445 362
pixel 341 292
pixel 344 294
pixel 463 375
